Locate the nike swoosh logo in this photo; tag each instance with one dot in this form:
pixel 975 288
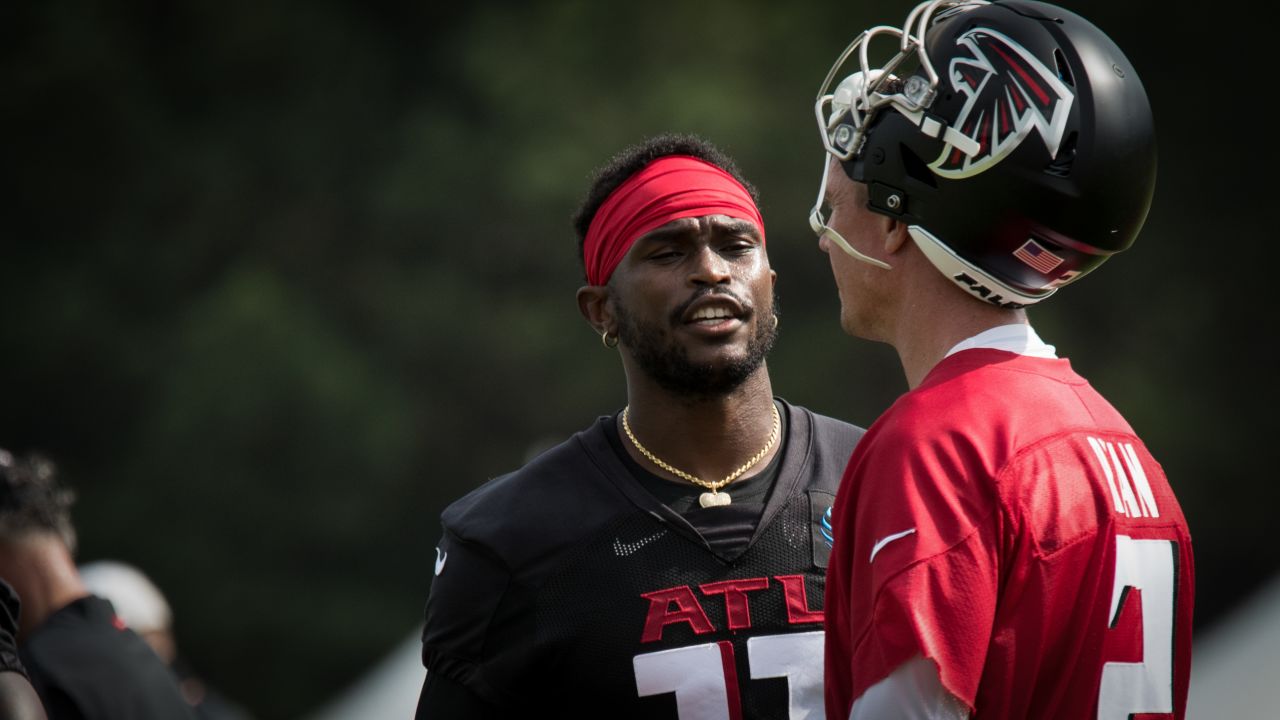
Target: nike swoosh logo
pixel 625 549
pixel 440 558
pixel 886 540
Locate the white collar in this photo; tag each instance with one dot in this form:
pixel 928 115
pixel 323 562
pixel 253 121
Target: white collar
pixel 1018 338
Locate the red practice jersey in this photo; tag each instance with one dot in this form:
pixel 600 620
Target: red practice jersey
pixel 1003 521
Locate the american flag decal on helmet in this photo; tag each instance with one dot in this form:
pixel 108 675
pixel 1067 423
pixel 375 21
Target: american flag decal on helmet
pixel 1035 255
pixel 1009 93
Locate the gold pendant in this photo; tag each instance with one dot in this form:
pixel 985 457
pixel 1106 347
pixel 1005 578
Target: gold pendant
pixel 713 499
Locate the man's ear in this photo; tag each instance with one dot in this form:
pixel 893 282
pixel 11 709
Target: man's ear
pixel 593 303
pixel 895 236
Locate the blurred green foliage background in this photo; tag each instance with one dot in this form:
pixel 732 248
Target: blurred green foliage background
pixel 282 279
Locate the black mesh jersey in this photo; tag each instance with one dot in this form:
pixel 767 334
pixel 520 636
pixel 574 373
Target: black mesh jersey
pixel 566 588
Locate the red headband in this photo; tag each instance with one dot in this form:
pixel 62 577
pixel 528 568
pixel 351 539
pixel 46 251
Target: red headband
pixel 669 188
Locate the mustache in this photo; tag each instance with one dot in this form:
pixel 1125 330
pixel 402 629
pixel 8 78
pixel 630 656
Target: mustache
pixel 747 308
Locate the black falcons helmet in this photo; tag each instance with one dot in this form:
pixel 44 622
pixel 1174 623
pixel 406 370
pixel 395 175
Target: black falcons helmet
pixel 1016 142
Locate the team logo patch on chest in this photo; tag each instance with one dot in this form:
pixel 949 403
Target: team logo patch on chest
pixel 822 531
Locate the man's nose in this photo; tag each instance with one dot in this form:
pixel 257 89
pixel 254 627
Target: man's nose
pixel 823 243
pixel 709 267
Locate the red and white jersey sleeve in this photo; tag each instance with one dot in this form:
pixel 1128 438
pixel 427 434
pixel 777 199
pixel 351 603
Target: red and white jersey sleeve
pixel 1003 521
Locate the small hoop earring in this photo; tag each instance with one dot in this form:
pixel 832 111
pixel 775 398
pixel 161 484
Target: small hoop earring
pixel 775 322
pixel 608 342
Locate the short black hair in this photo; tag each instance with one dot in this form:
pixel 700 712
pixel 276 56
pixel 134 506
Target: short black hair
pixel 633 159
pixel 32 500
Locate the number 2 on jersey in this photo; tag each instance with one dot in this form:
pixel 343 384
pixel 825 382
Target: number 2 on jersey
pixel 1143 687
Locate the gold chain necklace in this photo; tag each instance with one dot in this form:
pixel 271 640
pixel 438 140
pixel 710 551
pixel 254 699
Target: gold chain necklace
pixel 715 497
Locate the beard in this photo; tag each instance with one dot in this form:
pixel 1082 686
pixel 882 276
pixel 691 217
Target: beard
pixel 668 362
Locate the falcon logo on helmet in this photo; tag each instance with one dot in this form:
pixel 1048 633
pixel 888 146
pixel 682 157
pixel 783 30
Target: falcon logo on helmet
pixel 1009 93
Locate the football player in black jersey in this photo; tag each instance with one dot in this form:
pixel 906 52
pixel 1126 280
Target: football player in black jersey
pixel 83 661
pixel 668 560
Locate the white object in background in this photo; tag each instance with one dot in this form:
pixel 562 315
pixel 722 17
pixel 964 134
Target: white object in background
pixel 389 690
pixel 1233 664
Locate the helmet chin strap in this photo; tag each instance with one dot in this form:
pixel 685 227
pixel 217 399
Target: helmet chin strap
pixel 969 277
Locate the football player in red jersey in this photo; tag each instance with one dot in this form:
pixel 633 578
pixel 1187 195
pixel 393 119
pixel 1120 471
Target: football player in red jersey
pixel 1005 545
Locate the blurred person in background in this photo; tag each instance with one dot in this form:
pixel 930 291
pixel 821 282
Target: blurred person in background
pixel 18 700
pixel 143 608
pixel 1006 546
pixel 668 561
pixel 82 659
